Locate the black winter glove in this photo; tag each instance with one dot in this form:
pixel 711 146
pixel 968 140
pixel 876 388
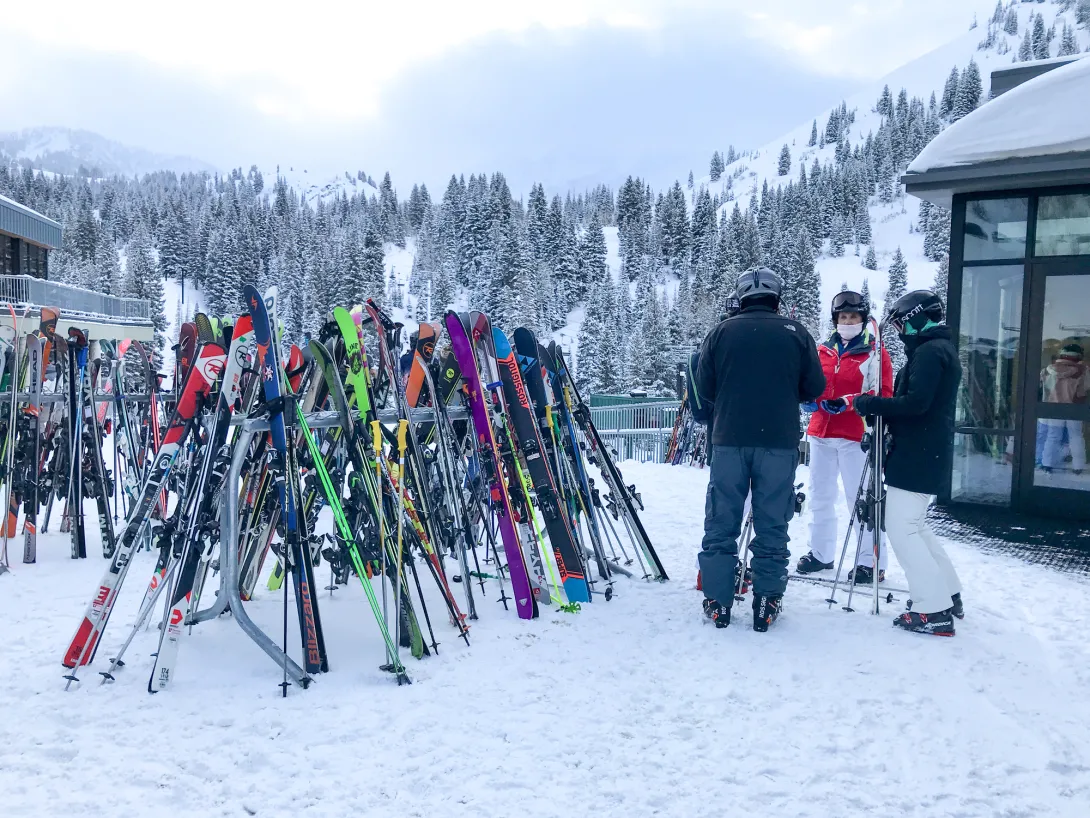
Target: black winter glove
pixel 861 405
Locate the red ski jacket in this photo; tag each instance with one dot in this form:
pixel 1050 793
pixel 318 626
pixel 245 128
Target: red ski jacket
pixel 847 374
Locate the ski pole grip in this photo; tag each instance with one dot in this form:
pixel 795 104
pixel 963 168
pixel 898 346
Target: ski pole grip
pixel 402 430
pixel 376 436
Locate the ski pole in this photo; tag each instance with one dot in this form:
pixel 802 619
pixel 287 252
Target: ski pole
pixel 376 435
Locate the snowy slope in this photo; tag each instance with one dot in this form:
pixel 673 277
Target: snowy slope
pixel 890 223
pixel 629 708
pixel 314 187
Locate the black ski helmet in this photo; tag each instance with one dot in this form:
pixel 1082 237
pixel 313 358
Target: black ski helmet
pixel 758 282
pixel 850 301
pixel 914 310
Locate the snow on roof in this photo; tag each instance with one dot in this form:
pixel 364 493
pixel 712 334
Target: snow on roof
pixel 1045 116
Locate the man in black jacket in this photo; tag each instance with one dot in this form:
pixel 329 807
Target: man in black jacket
pixel 755 368
pixel 920 420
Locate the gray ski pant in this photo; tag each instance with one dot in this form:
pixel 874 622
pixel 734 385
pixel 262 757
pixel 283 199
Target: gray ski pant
pixel 767 474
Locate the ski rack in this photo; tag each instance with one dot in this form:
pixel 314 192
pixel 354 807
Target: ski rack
pixel 60 397
pixel 228 597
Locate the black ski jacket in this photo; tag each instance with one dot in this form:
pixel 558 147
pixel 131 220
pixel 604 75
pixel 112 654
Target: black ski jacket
pixel 756 368
pixel 920 415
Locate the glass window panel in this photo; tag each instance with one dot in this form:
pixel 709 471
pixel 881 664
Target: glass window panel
pixel 1063 225
pixel 982 469
pixel 1061 454
pixel 1065 341
pixel 995 228
pixel 1062 443
pixel 990 327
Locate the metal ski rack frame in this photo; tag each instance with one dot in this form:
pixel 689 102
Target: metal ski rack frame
pixel 229 597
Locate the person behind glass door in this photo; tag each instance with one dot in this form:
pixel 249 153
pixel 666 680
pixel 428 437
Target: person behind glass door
pixel 849 360
pixel 1065 380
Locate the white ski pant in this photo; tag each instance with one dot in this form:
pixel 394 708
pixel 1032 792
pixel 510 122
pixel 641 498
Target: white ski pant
pixel 932 579
pixel 1054 444
pixel 834 460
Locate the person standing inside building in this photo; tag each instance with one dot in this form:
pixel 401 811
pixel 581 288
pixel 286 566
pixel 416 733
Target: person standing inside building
pixel 755 368
pixel 1065 380
pixel 850 363
pixel 920 421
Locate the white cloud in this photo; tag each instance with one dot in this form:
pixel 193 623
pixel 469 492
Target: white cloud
pixel 332 59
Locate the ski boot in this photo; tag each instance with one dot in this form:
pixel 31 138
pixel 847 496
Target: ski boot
pixel 864 575
pixel 958 608
pixel 766 610
pixel 935 624
pixel 811 564
pixel 714 612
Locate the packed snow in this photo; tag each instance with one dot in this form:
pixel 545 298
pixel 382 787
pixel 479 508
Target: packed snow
pixel 1045 116
pixel 632 707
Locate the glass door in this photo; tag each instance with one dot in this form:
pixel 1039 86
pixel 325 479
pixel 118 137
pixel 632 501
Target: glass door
pixel 989 330
pixel 1054 477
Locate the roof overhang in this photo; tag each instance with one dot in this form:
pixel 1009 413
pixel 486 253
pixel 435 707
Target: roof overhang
pixel 938 185
pixel 29 225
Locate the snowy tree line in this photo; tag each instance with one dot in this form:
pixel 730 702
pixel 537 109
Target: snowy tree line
pixel 525 262
pixel 1037 39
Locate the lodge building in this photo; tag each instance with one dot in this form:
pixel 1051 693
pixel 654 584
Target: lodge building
pixel 1015 174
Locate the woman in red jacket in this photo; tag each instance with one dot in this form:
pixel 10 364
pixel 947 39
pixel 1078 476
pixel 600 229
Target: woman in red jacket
pixel 850 363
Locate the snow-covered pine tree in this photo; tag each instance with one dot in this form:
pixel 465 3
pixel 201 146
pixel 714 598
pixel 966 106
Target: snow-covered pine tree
pixel 1010 24
pixel 716 169
pixel 942 279
pixel 1025 50
pixel 703 228
pixel 863 233
pixel 807 304
pixel 373 264
pixel 1069 43
pixel 897 286
pixel 1039 39
pixel 143 280
pixel 870 261
pixel 970 91
pixel 813 135
pixel 592 256
pixel 885 103
pixel 691 180
pixel 949 93
pixel 784 166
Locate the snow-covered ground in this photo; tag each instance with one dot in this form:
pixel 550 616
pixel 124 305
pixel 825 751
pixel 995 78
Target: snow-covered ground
pixel 632 707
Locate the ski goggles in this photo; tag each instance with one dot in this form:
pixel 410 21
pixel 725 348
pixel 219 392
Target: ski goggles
pixel 848 301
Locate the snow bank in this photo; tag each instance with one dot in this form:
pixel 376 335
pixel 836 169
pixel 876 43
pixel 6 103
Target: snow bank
pixel 629 708
pixel 1047 115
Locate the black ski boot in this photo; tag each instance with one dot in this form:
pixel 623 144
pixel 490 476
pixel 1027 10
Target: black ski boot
pixel 811 564
pixel 935 624
pixel 719 614
pixel 957 609
pixel 766 609
pixel 864 575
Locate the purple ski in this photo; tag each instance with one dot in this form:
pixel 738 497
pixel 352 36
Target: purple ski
pixel 491 465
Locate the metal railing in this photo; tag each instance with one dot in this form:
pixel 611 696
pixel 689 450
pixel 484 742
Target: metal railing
pixel 637 431
pixel 73 302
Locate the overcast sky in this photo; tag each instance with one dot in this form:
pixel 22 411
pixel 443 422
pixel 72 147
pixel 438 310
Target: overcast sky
pixel 568 91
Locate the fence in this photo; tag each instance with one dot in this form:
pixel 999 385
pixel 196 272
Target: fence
pixel 73 302
pixel 637 431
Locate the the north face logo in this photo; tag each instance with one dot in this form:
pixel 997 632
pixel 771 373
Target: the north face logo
pixel 789 326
